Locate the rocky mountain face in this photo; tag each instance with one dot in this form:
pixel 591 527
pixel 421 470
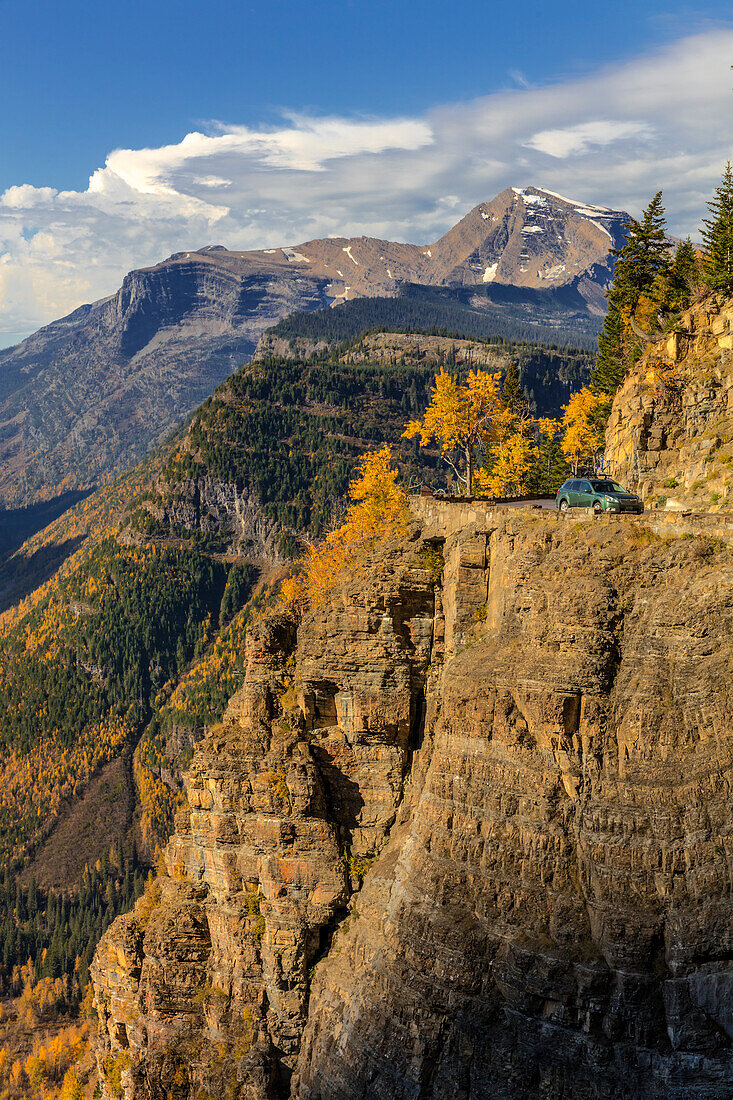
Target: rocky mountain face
pixel 671 429
pixel 525 237
pixel 464 832
pixel 87 396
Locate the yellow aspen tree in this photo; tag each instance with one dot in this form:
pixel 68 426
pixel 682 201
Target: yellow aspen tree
pixel 511 461
pixel 379 510
pixel 583 431
pixel 460 419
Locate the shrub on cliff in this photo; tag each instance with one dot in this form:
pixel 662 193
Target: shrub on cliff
pixel 379 511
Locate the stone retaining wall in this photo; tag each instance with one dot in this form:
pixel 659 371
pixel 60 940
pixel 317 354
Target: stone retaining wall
pixel 443 518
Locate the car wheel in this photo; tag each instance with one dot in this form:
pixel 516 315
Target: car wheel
pixel 563 506
pixel 597 508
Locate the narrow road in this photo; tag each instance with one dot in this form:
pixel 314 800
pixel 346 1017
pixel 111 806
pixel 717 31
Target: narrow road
pixel 540 502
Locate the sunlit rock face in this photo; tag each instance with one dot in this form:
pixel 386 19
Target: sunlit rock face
pixel 465 832
pixel 670 433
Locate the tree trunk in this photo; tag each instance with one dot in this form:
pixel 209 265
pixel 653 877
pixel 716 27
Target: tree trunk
pixel 469 470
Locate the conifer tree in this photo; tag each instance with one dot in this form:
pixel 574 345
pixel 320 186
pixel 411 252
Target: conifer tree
pixel 551 467
pixel 645 254
pixel 642 260
pixel 717 236
pixel 512 394
pixel 611 364
pixel 676 289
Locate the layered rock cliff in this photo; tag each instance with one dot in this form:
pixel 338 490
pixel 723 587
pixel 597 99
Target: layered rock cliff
pixel 465 832
pixel 670 434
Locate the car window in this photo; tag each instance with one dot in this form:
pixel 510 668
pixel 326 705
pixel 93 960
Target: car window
pixel 566 485
pixel 584 487
pixel 604 486
pixel 574 486
pixel 619 488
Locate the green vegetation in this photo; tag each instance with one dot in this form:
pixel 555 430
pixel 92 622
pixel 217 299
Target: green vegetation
pixel 652 287
pixel 717 236
pixel 86 669
pixel 544 317
pixel 292 431
pixel 81 674
pixel 643 265
pixel 59 934
pixel 107 641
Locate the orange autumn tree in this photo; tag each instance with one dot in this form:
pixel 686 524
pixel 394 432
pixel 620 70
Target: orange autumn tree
pixel 378 511
pixel 461 419
pixel 583 425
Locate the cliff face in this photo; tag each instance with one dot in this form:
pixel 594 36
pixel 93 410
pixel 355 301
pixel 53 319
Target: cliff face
pixel 87 396
pixel 289 801
pixel 212 506
pixel 463 837
pixel 670 434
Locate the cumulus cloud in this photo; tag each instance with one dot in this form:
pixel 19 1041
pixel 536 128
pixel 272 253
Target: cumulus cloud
pixel 613 137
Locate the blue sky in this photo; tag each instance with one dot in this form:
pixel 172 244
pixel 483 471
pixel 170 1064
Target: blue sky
pixel 306 119
pixel 84 78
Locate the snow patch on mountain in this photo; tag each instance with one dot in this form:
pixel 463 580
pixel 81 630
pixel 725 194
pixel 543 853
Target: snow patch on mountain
pixel 598 225
pixel 294 257
pixel 582 207
pixel 535 200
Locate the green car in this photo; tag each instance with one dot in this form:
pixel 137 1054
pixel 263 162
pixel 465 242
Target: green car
pixel 600 494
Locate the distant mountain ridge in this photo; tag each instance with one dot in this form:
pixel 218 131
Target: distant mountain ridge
pixel 525 237
pixel 87 396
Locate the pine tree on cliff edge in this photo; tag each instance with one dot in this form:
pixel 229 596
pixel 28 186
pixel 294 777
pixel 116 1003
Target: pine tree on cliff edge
pixel 645 254
pixel 717 236
pixel 642 260
pixel 610 368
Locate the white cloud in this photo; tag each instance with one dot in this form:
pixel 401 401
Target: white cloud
pixel 613 137
pixel 26 197
pixel 519 78
pixel 576 140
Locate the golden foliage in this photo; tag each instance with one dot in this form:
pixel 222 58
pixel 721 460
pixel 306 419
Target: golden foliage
pixel 512 459
pixel 583 425
pixel 43 1056
pixel 43 779
pixel 460 418
pixel 199 699
pixel 379 511
pixel 91 520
